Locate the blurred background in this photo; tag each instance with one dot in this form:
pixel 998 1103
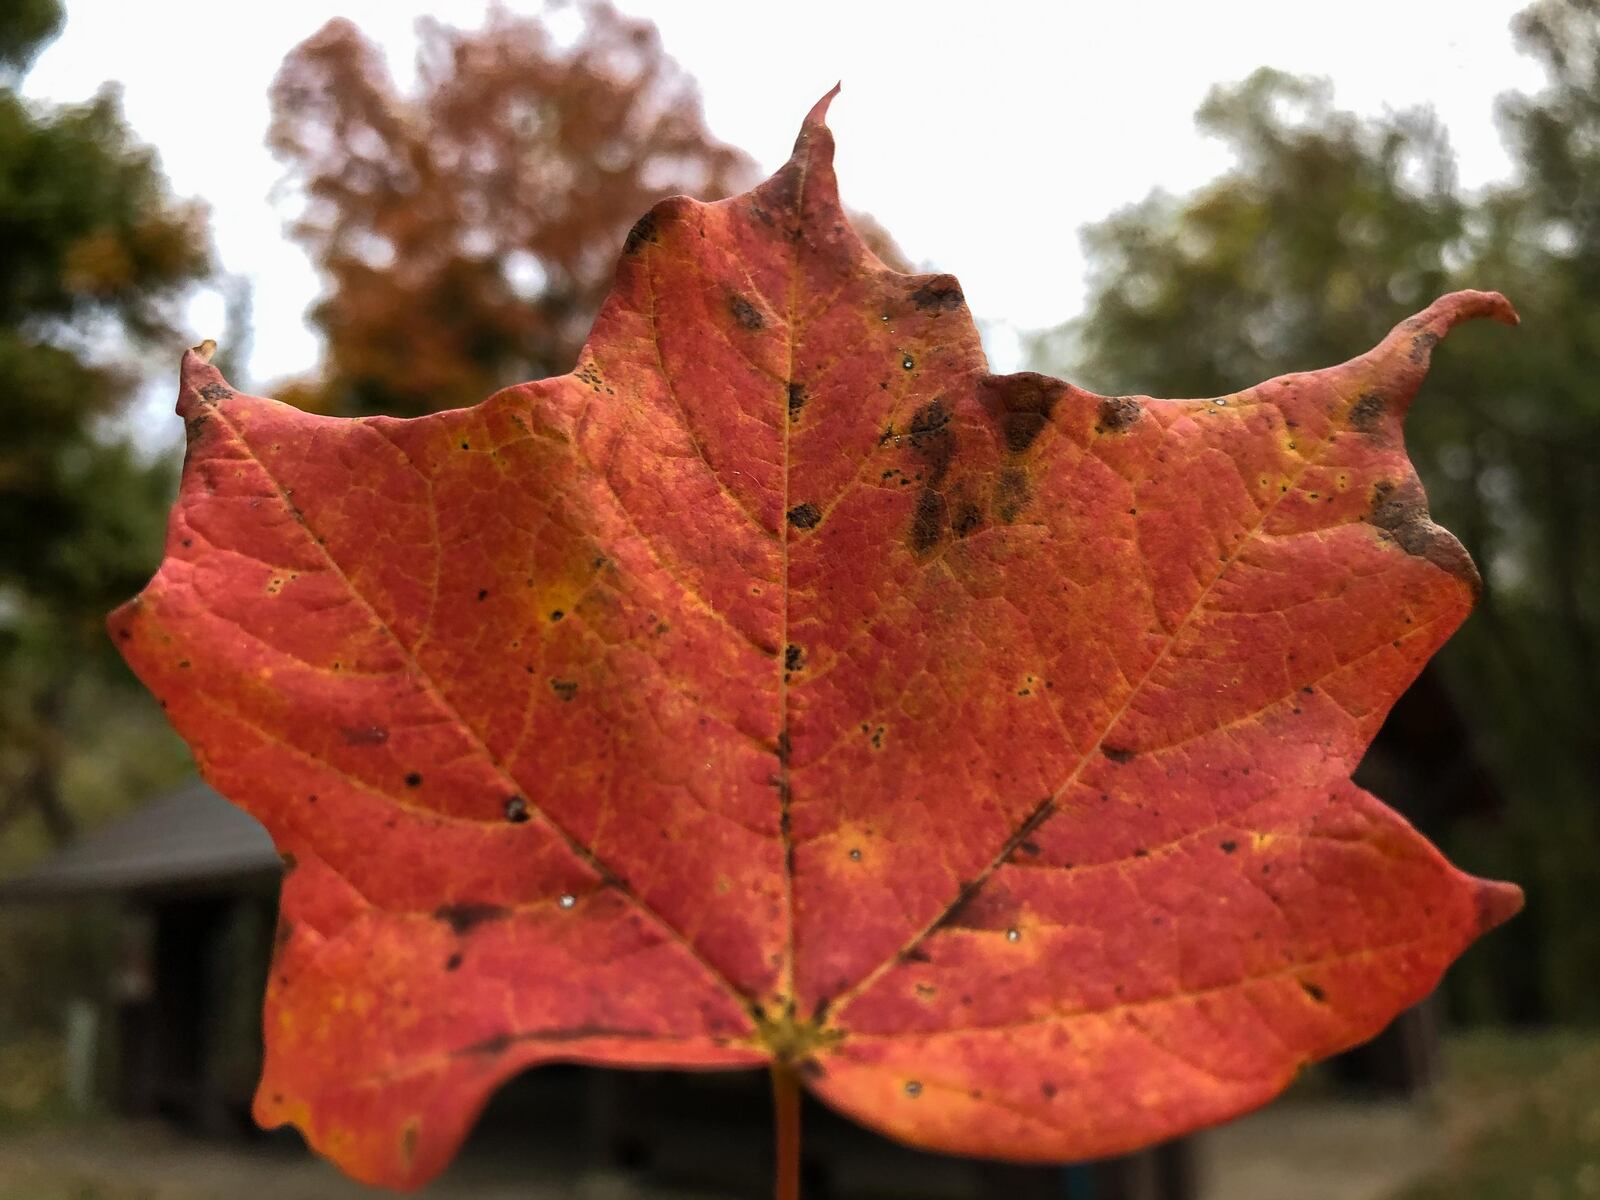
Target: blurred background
pixel 392 212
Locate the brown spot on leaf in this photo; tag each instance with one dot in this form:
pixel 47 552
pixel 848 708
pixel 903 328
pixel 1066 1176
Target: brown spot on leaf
pixel 1422 345
pixel 498 1044
pixel 968 517
pixel 1315 992
pixel 1011 494
pixel 797 400
pixel 1022 404
pixel 744 312
pixel 794 658
pixel 1366 414
pixel 927 522
pixel 1117 754
pixel 932 438
pixel 516 810
pixel 216 392
pixel 1402 513
pixel 643 233
pixel 1117 413
pixel 463 918
pixel 938 294
pixel 805 516
pixel 565 688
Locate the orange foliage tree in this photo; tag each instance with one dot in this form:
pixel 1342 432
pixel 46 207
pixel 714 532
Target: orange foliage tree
pixel 468 229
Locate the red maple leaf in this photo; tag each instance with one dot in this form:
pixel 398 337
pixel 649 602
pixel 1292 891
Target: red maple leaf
pixel 780 685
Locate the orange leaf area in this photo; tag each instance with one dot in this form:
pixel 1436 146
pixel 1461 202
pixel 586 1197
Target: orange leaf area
pixel 782 684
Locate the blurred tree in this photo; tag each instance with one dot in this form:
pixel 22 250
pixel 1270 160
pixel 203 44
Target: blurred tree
pixel 1329 228
pixel 96 255
pixel 468 232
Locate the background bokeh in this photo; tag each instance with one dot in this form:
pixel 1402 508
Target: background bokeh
pixel 459 216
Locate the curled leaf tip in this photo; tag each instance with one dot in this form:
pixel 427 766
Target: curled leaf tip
pixel 819 111
pixel 1456 307
pixel 1497 903
pixel 205 350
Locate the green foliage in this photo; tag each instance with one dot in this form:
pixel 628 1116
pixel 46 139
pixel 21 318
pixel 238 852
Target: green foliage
pixel 1526 1111
pixel 98 255
pixel 1327 228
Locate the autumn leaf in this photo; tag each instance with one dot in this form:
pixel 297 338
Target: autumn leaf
pixel 780 685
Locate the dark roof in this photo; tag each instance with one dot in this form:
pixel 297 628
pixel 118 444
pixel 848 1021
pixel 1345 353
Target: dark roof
pixel 192 836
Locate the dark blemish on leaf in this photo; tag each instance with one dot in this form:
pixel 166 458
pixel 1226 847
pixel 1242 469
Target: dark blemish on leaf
pixel 216 392
pixel 413 779
pixel 1011 494
pixel 1315 992
pixel 498 1044
pixel 453 963
pixel 968 517
pixel 932 438
pixel 938 295
pixel 283 933
pixel 797 400
pixel 1025 402
pixel 1117 413
pixel 1029 848
pixel 289 861
pixel 642 233
pixel 1117 754
pixel 1229 847
pixel 805 516
pixel 1047 1090
pixel 483 593
pixel 916 954
pixel 366 735
pixel 1141 852
pixel 781 747
pixel 183 664
pixel 1401 512
pixel 1366 414
pixel 794 657
pixel 565 688
pixel 516 809
pixel 124 633
pixel 744 312
pixel 1422 345
pixel 311 799
pixel 927 523
pixel 877 738
pixel 908 362
pixel 463 918
pixel 557 614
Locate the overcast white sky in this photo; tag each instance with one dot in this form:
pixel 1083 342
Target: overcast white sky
pixel 982 135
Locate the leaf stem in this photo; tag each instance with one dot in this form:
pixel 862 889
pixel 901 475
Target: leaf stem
pixel 786 1115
